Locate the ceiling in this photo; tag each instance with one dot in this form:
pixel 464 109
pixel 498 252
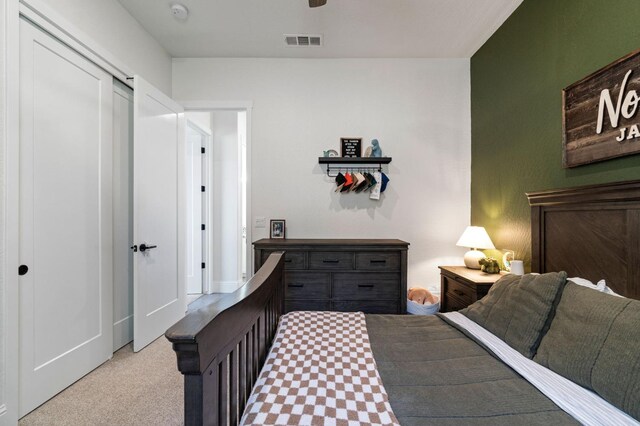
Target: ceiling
pixel 351 28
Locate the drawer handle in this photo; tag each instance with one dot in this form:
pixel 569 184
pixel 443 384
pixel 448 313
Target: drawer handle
pixel 378 261
pixel 296 285
pixel 365 285
pixel 458 292
pixel 330 261
pixel 288 260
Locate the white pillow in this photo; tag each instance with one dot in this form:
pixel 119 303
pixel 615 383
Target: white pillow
pixel 601 286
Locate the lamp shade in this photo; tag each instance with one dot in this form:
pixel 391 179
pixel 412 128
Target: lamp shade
pixel 475 237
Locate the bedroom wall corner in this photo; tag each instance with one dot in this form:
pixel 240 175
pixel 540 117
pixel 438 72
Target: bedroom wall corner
pixel 110 25
pixel 516 107
pixel 419 109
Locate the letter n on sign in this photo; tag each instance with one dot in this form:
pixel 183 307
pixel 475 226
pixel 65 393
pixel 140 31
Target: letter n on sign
pixel 600 117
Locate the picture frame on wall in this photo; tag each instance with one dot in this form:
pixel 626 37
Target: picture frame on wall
pixel 351 147
pixel 278 229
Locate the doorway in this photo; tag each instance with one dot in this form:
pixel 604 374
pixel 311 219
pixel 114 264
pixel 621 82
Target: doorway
pixel 226 194
pixel 198 203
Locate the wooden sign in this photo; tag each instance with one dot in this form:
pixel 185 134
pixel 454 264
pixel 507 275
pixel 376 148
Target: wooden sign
pixel 600 114
pixel 351 147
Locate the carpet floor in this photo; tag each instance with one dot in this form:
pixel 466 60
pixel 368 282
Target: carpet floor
pixel 144 388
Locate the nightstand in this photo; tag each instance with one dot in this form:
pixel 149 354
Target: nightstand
pixel 461 286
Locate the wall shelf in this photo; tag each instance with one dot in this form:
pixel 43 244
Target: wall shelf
pixel 357 163
pixel 354 160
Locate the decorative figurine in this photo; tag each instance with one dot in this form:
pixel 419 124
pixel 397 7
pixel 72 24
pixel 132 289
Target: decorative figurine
pixel 330 153
pixel 489 265
pixel 368 151
pixel 375 151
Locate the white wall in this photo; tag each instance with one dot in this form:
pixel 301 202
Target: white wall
pixel 419 109
pixel 111 26
pixel 3 318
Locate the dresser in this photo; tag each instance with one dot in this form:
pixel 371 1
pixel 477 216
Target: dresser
pixel 347 275
pixel 461 286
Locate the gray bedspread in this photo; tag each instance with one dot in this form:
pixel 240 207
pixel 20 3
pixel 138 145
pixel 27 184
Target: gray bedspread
pixel 435 375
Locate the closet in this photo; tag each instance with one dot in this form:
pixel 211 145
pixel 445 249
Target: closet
pixel 101 231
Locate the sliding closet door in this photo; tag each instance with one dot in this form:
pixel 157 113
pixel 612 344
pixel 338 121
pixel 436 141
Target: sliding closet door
pixel 65 216
pixel 122 215
pixel 158 226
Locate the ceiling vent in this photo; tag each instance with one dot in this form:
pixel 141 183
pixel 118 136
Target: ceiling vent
pixel 303 40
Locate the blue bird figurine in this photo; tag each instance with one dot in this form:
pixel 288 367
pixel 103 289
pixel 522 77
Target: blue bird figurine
pixel 376 152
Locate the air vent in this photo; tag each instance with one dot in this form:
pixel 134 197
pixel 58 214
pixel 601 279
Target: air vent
pixel 303 40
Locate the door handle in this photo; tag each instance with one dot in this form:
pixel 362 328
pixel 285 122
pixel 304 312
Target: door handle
pixel 23 269
pixel 144 247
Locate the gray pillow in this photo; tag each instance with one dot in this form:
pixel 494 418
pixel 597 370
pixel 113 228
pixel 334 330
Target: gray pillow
pixel 518 309
pixel 594 340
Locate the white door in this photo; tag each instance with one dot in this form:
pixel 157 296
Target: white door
pixel 122 215
pixel 158 220
pixel 65 325
pixel 196 140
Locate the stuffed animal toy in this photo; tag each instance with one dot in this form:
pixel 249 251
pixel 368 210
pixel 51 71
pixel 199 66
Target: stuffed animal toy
pixel 421 295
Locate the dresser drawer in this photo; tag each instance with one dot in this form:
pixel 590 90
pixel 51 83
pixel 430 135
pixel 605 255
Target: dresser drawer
pixel 378 261
pixel 292 259
pixel 367 306
pixel 366 286
pixel 460 291
pixel 307 285
pixel 331 260
pixel 307 305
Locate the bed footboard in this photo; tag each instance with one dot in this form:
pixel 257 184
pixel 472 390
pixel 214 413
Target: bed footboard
pixel 221 348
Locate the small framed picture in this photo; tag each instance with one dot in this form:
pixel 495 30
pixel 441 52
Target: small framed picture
pixel 351 147
pixel 277 228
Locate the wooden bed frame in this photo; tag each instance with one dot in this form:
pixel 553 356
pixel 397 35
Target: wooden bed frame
pixel 222 347
pixel 591 231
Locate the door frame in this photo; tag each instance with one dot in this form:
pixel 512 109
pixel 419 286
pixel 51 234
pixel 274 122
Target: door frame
pixel 53 23
pixel 238 106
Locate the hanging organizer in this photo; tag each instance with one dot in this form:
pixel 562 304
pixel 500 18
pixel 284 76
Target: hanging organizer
pixel 352 163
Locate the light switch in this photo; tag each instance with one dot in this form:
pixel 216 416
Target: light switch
pixel 261 222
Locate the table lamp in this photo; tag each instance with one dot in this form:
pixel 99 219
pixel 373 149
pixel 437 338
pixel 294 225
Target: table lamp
pixel 474 237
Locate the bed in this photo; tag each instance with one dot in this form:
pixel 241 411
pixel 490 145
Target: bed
pixel 443 370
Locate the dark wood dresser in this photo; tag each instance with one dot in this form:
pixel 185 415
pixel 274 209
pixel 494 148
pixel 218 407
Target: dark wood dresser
pixel 461 286
pixel 341 275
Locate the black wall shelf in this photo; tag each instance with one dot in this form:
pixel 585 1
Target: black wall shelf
pixel 356 163
pixel 354 160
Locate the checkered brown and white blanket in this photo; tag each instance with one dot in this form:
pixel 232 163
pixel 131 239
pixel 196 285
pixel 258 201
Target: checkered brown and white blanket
pixel 320 371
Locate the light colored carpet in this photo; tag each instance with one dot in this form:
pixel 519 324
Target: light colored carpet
pixel 143 388
pixel 130 389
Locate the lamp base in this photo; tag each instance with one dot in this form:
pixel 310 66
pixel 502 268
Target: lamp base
pixel 472 257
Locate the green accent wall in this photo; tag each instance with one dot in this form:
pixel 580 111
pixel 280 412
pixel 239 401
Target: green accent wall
pixel 517 79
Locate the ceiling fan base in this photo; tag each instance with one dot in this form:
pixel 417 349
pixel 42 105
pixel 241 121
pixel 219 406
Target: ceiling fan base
pixel 317 3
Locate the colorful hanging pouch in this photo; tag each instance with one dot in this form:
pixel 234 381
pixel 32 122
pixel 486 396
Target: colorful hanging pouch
pixel 385 181
pixel 340 180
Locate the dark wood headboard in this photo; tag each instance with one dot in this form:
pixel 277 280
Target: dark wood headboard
pixel 591 232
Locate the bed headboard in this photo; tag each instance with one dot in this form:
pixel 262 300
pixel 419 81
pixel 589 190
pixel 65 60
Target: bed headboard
pixel 591 232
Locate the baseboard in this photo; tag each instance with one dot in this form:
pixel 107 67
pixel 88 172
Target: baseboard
pixel 224 286
pixel 122 332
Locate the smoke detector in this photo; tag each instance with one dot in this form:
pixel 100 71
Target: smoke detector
pixel 179 11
